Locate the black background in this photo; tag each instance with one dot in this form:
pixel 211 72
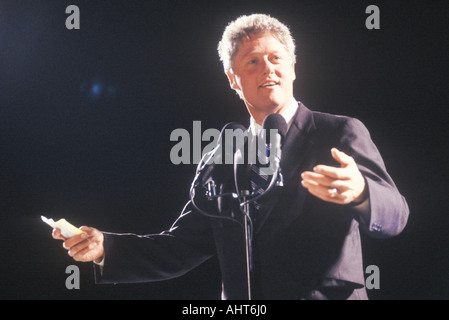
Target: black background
pixel 86 117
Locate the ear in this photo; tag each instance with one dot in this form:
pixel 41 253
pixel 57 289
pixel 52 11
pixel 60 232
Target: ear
pixel 232 80
pixel 294 73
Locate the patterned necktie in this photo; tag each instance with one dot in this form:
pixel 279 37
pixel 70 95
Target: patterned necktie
pixel 259 182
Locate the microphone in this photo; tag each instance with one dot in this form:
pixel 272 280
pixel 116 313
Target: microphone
pixel 276 124
pixel 213 165
pixel 216 165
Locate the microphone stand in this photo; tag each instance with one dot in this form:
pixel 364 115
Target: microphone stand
pixel 245 199
pixel 248 238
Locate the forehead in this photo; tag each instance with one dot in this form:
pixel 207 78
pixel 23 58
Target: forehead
pixel 261 43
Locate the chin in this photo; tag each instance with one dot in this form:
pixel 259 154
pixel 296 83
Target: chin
pixel 267 104
pixel 272 105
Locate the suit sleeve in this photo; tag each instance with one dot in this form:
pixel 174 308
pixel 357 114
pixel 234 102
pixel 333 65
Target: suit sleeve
pixel 131 258
pixel 388 210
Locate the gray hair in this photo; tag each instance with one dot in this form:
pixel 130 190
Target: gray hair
pixel 243 27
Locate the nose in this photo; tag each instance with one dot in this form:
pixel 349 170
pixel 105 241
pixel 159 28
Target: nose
pixel 267 66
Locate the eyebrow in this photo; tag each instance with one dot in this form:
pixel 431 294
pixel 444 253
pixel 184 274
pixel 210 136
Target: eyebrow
pixel 277 52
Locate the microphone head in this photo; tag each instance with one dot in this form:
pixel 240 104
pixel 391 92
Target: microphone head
pixel 275 121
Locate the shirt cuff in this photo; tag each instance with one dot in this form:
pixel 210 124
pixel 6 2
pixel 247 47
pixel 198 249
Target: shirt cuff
pixel 363 209
pixel 101 263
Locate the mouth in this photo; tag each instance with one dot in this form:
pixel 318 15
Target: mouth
pixel 268 84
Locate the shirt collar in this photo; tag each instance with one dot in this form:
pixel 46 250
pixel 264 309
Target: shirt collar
pixel 288 114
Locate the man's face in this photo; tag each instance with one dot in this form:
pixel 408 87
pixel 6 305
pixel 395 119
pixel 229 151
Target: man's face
pixel 263 75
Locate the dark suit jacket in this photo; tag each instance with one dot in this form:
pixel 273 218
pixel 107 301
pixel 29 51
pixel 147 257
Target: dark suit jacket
pixel 300 243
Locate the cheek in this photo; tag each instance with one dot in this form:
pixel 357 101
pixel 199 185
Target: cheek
pixel 293 74
pixel 247 85
pixel 287 73
pixel 291 71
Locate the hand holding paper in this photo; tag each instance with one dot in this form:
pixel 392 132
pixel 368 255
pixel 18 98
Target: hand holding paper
pixel 83 244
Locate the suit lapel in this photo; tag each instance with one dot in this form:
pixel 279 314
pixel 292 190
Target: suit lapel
pixel 295 150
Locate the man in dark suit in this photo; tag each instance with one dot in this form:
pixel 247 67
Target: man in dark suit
pixel 305 240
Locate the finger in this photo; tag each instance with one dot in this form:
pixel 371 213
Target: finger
pixel 89 238
pixel 90 249
pixel 342 157
pixel 322 193
pixel 70 242
pixel 317 177
pixel 87 229
pixel 95 234
pixel 86 253
pixel 88 243
pixel 332 172
pixel 318 189
pixel 56 234
pixel 92 232
pixel 86 233
pixel 325 181
pixel 85 240
pixel 347 196
pixel 79 247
